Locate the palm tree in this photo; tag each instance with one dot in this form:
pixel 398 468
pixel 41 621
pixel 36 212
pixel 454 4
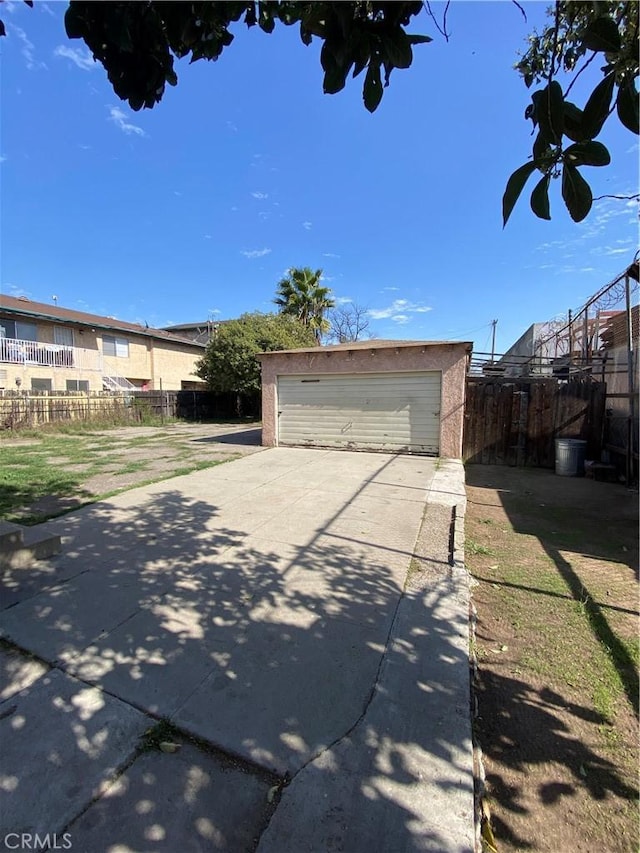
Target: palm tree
pixel 301 295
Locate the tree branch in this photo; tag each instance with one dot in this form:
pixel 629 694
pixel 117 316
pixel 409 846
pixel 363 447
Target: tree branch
pixel 634 197
pixel 441 29
pixel 554 50
pixel 578 73
pixel 524 14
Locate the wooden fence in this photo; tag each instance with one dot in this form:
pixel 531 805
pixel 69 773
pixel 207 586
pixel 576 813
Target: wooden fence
pixel 19 410
pixel 26 409
pixel 516 421
pixel 207 405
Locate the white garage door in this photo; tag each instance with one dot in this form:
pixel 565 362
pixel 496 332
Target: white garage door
pixel 377 411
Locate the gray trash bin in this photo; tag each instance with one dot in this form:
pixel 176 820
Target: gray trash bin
pixel 570 455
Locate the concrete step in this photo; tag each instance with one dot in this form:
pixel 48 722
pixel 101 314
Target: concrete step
pixel 10 535
pixel 36 543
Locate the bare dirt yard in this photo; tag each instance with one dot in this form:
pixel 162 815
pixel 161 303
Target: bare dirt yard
pixel 556 565
pixel 46 473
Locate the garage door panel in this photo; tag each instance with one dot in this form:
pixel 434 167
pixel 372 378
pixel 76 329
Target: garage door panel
pixel 392 411
pixel 312 390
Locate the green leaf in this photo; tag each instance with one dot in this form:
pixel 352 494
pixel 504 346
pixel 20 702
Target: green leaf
pixel 576 193
pixel 372 91
pixel 265 21
pixel 334 80
pixel 73 23
pixel 597 107
pixel 573 118
pixel 587 154
pixel 627 106
pixel 515 185
pixel 3 31
pixel 398 49
pixel 361 56
pixel 335 75
pixel 359 66
pixel 602 35
pixel 418 39
pixel 540 198
pixel 550 113
pixel 540 148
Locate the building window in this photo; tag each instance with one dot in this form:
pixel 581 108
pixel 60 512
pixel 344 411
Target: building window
pixel 78 385
pixel 63 336
pixel 18 330
pixel 115 347
pixel 41 385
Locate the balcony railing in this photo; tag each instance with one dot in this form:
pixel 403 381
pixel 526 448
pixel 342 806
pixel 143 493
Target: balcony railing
pixel 16 351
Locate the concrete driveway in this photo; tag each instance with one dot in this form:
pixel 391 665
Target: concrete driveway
pixel 294 617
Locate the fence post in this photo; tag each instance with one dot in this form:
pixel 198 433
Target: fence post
pixel 161 404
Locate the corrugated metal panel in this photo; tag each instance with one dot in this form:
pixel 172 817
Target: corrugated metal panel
pixel 376 411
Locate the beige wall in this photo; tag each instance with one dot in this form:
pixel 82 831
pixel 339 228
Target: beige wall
pixel 173 365
pixel 57 375
pixel 136 366
pixel 451 359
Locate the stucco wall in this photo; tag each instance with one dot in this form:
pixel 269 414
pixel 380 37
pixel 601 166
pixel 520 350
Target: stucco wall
pixel 451 359
pixel 138 363
pixel 173 365
pixel 57 375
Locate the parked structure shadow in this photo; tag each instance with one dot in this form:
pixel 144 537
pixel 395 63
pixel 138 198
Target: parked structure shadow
pixel 249 437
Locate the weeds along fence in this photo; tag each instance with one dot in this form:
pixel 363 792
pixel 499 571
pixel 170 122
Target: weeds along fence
pixel 29 409
pixel 20 410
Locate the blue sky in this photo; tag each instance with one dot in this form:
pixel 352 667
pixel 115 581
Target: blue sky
pixel 196 208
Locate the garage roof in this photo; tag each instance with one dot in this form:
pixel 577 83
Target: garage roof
pixel 374 344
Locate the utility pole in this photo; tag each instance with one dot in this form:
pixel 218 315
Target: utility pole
pixel 494 323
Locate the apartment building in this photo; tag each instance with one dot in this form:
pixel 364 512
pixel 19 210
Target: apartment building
pixel 51 348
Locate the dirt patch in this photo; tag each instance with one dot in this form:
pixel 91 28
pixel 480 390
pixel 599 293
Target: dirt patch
pixel 556 561
pixel 85 467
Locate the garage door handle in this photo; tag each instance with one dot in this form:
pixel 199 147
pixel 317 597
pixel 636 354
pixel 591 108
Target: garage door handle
pixel 436 414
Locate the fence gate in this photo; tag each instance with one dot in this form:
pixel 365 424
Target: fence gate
pixel 516 421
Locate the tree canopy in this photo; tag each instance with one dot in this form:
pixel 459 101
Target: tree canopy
pixel 137 43
pixel 301 295
pixel 229 363
pixel 565 135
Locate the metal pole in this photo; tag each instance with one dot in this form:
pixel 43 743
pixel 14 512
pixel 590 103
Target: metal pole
pixel 630 382
pixel 494 323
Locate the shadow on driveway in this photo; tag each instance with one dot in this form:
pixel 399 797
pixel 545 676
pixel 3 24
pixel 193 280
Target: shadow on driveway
pixel 250 437
pixel 271 653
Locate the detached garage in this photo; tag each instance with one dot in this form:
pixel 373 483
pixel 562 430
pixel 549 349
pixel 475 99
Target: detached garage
pixel 398 396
